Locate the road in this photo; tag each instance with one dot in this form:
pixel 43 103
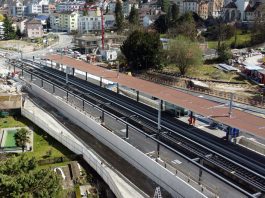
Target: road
pixel 65 40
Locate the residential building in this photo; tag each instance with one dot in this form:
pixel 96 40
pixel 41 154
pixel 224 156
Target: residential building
pixel 215 8
pixel 54 21
pixel 64 21
pixel 143 11
pixel 127 6
pixel 17 9
pixel 70 6
pixel 34 8
pixel 203 11
pixel 242 10
pixel 252 11
pixel 21 24
pixel 93 23
pixel 1 30
pixel 34 28
pixel 52 8
pixel 191 6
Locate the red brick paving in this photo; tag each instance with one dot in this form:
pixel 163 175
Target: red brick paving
pixel 239 119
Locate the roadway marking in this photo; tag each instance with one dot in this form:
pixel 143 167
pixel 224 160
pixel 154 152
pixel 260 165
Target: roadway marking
pixel 123 130
pixel 176 161
pixel 150 153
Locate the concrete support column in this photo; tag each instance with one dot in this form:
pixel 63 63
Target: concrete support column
pixel 137 96
pixel 53 89
pixel 200 172
pixel 100 82
pixel 83 105
pixel 102 117
pixel 127 129
pixel 118 91
pixel 67 96
pixel 160 106
pixel 31 78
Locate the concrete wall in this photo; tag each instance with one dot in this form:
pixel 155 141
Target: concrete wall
pixel 174 185
pixel 119 185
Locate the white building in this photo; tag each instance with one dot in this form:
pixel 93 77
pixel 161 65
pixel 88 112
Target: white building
pixel 34 9
pixel 149 19
pixel 70 6
pixel 64 21
pixel 1 30
pixel 93 23
pixel 18 9
pixel 190 6
pixel 242 10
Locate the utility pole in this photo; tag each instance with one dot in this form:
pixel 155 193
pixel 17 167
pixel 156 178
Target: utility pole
pixel 231 104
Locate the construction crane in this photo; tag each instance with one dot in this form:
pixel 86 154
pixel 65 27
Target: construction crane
pixel 103 5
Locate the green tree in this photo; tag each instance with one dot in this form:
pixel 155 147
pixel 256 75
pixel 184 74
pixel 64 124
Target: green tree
pixel 22 138
pixel 224 53
pixel 19 177
pixel 119 17
pixel 161 24
pixel 9 31
pixel 186 26
pixel 174 12
pixel 134 16
pixel 142 49
pixel 164 5
pixel 18 33
pixel 184 53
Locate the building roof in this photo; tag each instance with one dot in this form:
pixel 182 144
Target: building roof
pixel 34 21
pixel 231 5
pixel 42 17
pixel 239 119
pixel 250 8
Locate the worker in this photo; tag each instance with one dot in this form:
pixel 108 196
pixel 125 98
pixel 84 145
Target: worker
pixel 193 121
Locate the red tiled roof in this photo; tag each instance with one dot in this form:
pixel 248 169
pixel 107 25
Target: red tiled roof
pixel 239 119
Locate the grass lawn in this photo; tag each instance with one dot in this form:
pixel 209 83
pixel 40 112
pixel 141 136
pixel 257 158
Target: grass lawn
pixel 43 142
pixel 242 40
pixel 208 72
pixel 10 139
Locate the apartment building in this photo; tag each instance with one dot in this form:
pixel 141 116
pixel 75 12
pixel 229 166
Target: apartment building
pixel 70 6
pixel 66 21
pixel 34 28
pixel 93 23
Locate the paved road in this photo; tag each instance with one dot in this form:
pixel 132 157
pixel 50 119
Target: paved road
pixel 65 40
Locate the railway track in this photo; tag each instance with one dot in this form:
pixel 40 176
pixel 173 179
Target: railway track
pixel 211 155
